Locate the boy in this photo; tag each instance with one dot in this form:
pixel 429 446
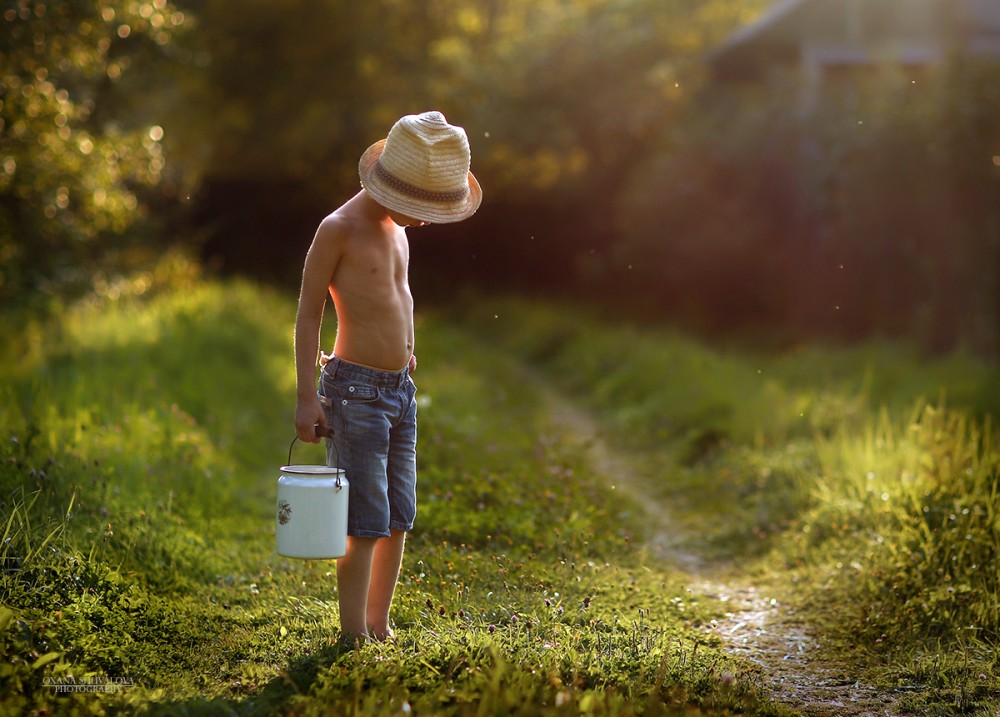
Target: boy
pixel 418 175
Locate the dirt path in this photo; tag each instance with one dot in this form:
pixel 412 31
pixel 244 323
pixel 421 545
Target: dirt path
pixel 760 627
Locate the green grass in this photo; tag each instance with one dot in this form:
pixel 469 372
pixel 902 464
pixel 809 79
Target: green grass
pixel 867 477
pixel 140 445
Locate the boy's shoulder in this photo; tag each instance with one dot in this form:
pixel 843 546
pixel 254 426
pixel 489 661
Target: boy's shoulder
pixel 339 226
pixel 352 217
pixel 352 225
pixel 335 221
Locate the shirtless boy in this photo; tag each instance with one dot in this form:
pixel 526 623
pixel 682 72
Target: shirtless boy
pixel 416 176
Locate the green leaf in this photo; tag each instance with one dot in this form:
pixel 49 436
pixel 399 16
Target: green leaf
pixel 46 659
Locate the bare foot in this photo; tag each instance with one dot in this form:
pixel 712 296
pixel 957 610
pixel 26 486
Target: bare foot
pixel 386 635
pixel 350 641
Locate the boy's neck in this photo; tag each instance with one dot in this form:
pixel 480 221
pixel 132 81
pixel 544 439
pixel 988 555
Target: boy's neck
pixel 371 209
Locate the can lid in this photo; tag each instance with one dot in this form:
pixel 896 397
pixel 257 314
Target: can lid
pixel 312 470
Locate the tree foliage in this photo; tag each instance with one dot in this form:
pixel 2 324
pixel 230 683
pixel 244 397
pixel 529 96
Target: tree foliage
pixel 549 89
pixel 70 165
pixel 609 162
pixel 558 96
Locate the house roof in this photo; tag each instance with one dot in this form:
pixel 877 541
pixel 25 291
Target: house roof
pixel 781 31
pixel 770 22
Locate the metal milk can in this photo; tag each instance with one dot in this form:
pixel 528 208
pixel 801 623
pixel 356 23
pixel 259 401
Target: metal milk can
pixel 312 512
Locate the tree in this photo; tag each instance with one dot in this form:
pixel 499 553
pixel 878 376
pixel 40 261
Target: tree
pixel 559 98
pixel 71 164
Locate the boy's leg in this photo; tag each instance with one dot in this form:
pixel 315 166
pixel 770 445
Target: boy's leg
pixel 354 577
pixel 401 473
pixel 379 465
pixel 388 556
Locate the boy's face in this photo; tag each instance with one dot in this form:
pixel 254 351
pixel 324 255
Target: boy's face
pixel 405 221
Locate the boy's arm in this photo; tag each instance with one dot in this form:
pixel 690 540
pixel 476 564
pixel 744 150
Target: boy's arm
pixel 317 274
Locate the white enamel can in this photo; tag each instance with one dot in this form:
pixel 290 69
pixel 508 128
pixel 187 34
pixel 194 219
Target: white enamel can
pixel 312 512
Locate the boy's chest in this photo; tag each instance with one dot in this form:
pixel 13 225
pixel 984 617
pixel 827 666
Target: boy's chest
pixel 379 262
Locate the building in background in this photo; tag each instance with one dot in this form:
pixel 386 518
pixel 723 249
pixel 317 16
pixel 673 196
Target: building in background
pixel 825 44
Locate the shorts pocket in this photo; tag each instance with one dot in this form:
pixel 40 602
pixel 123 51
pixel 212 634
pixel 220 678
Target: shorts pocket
pixel 355 393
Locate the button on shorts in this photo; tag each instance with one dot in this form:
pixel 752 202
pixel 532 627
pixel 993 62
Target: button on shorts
pixel 373 415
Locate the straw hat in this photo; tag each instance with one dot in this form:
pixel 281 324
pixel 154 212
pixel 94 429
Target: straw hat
pixel 421 170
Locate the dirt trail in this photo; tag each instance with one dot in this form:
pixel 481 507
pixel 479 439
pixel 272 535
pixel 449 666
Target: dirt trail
pixel 759 627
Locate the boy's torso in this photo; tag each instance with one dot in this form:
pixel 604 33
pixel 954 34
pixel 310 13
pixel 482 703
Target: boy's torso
pixel 372 297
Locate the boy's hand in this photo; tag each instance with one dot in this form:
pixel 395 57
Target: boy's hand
pixel 413 363
pixel 310 420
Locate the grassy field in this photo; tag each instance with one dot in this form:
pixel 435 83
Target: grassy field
pixel 866 478
pixel 142 434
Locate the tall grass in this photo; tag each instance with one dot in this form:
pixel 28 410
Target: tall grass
pixel 141 440
pixel 920 501
pixel 869 472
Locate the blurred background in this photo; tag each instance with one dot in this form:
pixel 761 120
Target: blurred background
pixel 782 171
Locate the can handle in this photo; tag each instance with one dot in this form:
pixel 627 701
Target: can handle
pixel 321 432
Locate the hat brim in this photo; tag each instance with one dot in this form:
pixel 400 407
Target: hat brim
pixel 422 209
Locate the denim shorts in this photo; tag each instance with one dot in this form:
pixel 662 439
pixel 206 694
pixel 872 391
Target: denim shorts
pixel 373 415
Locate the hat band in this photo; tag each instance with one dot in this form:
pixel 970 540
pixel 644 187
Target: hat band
pixel 416 192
